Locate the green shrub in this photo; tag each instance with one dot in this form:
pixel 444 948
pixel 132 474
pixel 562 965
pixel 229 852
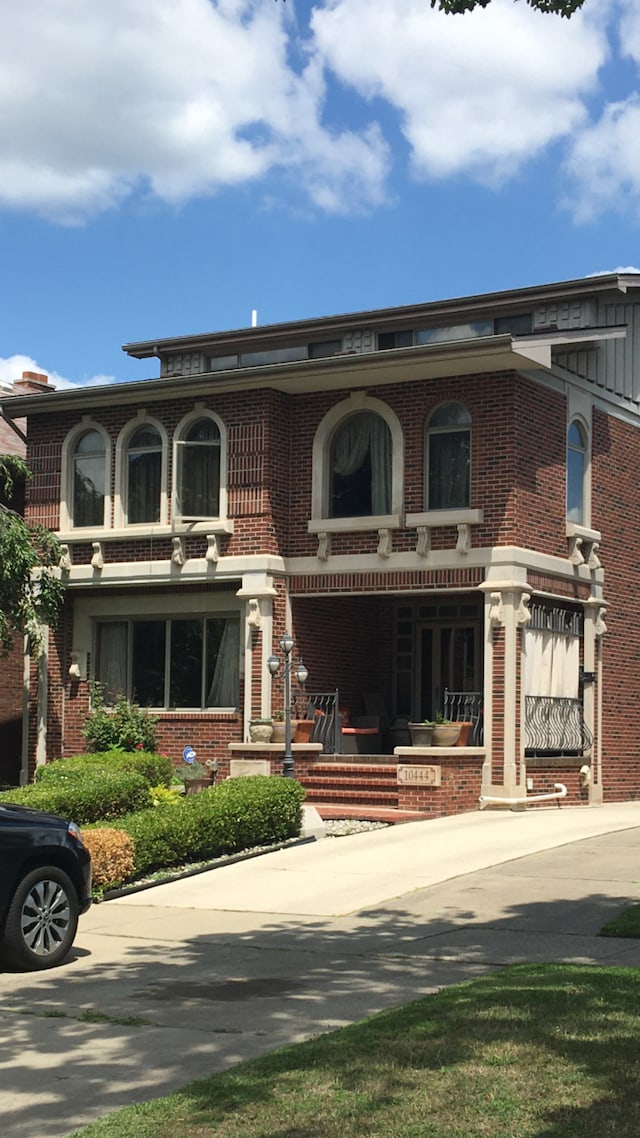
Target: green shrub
pixel 156 769
pixel 235 815
pixel 125 725
pixel 98 794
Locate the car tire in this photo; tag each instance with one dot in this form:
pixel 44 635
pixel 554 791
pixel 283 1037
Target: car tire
pixel 41 920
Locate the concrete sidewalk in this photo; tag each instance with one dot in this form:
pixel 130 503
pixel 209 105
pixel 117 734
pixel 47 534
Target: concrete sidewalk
pixel 167 985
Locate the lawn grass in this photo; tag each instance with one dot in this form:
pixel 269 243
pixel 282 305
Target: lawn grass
pixel 531 1051
pixel 626 924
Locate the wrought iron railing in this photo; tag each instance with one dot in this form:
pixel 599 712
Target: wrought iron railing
pixel 323 708
pixel 465 707
pixel 556 726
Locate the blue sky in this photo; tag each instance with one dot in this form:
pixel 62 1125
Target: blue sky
pixel 166 166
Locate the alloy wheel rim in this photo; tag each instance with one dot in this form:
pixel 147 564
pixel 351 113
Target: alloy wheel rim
pixel 45 917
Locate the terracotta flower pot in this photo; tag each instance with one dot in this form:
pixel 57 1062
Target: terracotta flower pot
pixel 304 731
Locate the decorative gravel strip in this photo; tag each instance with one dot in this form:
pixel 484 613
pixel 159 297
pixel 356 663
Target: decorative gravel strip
pixel 342 827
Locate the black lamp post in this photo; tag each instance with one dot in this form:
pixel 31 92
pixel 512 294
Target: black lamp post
pixel 273 664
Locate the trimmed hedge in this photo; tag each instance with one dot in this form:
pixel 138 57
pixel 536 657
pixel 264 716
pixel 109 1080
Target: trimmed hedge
pixel 156 769
pixel 111 856
pixel 98 794
pixel 237 814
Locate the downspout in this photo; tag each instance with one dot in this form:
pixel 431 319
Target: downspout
pixel 10 423
pixel 560 791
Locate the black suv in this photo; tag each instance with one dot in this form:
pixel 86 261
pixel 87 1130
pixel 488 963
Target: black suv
pixel 45 883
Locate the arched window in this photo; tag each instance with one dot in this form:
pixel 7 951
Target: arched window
pixel 144 475
pixel 448 459
pixel 360 467
pixel 198 471
pixel 89 466
pixel 576 470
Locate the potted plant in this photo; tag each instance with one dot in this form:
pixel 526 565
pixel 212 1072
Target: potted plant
pixel 421 733
pixel 445 733
pixel 279 727
pixel 195 776
pixel 260 730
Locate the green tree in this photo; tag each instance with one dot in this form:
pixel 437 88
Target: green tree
pixel 556 7
pixel 31 590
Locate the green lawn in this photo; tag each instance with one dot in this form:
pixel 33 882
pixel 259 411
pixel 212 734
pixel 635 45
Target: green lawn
pixel 539 1051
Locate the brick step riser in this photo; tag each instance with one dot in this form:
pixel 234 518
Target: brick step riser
pixel 355 797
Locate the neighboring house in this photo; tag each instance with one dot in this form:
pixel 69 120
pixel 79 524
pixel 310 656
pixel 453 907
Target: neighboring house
pixel 12 667
pixel 426 497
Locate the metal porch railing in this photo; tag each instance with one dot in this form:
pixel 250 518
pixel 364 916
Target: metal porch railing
pixel 323 708
pixel 465 707
pixel 556 726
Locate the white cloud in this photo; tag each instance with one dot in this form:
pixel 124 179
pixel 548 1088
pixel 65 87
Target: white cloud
pixel 180 97
pixel 476 94
pixel 12 367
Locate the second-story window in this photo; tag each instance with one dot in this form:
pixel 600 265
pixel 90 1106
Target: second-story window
pixel 198 471
pixel 89 480
pixel 360 467
pixel 576 471
pixel 144 475
pixel 448 459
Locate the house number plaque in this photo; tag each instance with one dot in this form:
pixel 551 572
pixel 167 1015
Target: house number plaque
pixel 419 776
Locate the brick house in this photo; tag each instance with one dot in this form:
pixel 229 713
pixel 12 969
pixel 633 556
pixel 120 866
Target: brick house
pixel 426 497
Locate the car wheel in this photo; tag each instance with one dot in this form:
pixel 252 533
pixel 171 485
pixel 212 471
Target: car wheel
pixel 41 920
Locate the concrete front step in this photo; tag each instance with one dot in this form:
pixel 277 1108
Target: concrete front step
pixel 330 811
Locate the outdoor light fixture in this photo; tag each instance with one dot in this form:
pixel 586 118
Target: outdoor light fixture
pixel 287 645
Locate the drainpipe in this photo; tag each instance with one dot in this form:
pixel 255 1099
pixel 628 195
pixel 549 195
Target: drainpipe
pixel 560 791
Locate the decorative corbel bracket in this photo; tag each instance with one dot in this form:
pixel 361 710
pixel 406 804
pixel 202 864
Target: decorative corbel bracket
pixel 324 546
pixel 384 543
pixel 599 626
pixel 213 549
pixel 523 615
pixel 97 561
pixel 576 556
pixel 177 554
pixel 254 617
pixel 65 559
pixel 463 544
pixel 423 544
pixel 593 561
pixel 496 611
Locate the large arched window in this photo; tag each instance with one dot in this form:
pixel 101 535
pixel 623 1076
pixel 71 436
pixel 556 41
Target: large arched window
pixel 448 458
pixel 360 467
pixel 144 475
pixel 88 480
pixel 197 491
pixel 576 472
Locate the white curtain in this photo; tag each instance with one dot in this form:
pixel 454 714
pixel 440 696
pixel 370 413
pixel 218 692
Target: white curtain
pixel 224 690
pixel 111 670
pixel 361 435
pixel 551 664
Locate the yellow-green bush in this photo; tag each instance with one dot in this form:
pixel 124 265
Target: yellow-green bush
pixel 111 856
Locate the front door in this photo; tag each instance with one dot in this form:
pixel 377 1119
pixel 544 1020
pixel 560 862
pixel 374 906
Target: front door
pixel 447 657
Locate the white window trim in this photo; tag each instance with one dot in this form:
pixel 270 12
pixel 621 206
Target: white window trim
pixel 358 401
pixel 199 412
pixel 66 480
pixel 122 444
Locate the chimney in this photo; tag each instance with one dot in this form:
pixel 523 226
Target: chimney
pixel 32 383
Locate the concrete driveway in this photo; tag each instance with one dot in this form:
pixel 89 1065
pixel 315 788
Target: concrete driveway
pixel 170 984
